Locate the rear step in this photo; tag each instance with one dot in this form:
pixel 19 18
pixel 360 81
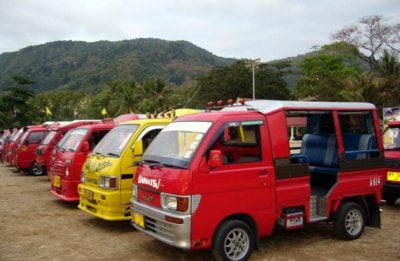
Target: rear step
pixel 317 208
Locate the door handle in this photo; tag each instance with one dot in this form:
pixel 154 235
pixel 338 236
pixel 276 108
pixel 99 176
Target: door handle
pixel 262 172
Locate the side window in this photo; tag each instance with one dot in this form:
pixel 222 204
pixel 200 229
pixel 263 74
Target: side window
pixel 296 128
pixel 312 137
pixel 96 137
pixel 356 123
pixel 240 142
pixel 36 137
pixel 149 137
pixel 358 134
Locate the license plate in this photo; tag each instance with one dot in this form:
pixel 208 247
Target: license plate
pixel 393 176
pixel 56 181
pixel 88 194
pixel 138 219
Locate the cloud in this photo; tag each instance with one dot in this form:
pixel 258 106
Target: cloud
pixel 266 29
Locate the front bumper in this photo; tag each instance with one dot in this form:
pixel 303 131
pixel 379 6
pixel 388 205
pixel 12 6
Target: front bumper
pixel 104 204
pixel 155 225
pixel 67 190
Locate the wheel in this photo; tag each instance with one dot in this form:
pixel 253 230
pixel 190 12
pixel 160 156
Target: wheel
pixel 233 240
pixel 35 170
pixel 350 221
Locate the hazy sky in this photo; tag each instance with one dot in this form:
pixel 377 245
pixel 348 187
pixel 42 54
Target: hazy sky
pixel 266 29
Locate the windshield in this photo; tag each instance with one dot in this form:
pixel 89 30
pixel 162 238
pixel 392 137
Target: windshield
pixel 115 141
pixel 391 138
pixel 62 140
pixel 17 135
pixel 73 140
pixel 176 144
pixel 23 137
pixel 48 138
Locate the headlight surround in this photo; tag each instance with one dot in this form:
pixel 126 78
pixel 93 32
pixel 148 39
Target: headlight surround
pixel 175 203
pixel 83 177
pixel 134 192
pixel 108 182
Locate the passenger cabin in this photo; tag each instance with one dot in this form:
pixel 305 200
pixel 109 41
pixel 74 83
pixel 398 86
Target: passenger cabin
pixel 336 143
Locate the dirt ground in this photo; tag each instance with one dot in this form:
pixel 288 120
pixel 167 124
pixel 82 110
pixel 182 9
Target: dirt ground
pixel 36 225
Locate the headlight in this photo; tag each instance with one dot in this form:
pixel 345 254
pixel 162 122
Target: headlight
pixel 108 182
pixel 134 192
pixel 83 178
pixel 67 172
pixel 175 203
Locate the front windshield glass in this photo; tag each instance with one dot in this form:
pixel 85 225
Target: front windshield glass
pixel 176 144
pixel 73 140
pixel 115 141
pixel 48 138
pixel 17 135
pixel 391 138
pixel 62 140
pixel 23 137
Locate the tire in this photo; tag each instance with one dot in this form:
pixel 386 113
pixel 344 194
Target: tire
pixel 233 241
pixel 35 170
pixel 350 221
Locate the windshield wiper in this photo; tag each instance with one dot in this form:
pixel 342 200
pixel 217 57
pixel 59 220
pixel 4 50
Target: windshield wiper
pixel 112 154
pixel 152 163
pixel 173 166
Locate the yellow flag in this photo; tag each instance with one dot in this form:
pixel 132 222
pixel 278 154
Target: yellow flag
pixel 48 111
pixel 103 112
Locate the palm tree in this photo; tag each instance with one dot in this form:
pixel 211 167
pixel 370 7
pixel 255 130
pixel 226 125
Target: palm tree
pixel 155 92
pixel 124 98
pixel 389 73
pixel 363 87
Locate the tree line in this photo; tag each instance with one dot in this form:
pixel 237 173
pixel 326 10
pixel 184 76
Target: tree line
pixel 360 64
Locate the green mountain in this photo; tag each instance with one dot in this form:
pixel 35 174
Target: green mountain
pixel 88 67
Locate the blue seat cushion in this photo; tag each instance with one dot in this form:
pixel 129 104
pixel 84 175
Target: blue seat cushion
pixel 321 150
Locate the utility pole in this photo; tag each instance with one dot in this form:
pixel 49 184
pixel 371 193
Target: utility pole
pixel 254 65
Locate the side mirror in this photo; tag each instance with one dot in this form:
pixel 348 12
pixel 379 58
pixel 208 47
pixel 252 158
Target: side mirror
pixel 138 148
pixel 85 146
pixel 215 160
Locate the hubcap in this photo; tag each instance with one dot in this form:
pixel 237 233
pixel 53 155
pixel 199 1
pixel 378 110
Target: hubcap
pixel 37 170
pixel 353 222
pixel 237 244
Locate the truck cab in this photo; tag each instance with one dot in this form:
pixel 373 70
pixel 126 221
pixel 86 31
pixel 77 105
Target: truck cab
pixel 391 141
pixel 222 180
pixel 56 131
pixel 10 148
pixel 71 153
pixel 106 186
pixel 70 156
pixel 25 156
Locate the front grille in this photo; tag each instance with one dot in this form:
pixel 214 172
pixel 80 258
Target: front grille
pixel 156 224
pixel 91 209
pixel 159 227
pixel 39 151
pixel 58 170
